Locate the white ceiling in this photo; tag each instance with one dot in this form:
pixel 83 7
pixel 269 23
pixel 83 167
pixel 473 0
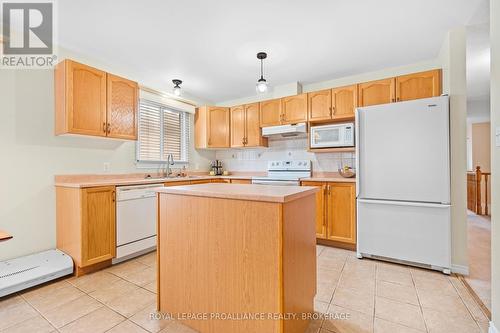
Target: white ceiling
pixel 211 45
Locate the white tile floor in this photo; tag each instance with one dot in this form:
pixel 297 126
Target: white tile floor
pixel 364 296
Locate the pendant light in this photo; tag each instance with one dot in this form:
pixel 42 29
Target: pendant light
pixel 261 86
pixel 177 87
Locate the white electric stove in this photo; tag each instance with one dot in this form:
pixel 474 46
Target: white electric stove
pixel 284 173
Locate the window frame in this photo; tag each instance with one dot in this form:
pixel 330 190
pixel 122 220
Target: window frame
pixel 185 124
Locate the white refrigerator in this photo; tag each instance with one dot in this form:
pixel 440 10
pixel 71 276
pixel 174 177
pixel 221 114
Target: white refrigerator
pixel 403 182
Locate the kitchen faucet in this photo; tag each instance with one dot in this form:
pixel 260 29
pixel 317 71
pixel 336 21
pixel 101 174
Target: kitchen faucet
pixel 170 161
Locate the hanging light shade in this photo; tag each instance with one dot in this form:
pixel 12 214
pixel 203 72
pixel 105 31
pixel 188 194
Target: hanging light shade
pixel 262 85
pixel 177 87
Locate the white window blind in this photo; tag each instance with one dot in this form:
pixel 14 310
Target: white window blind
pixel 162 131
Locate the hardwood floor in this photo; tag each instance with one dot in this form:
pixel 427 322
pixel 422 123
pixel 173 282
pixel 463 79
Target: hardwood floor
pixel 479 247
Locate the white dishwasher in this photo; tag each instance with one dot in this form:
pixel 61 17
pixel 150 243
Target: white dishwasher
pixel 135 220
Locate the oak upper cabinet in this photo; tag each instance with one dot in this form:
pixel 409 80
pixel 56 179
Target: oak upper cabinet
pixel 80 99
pixel 320 105
pixel 245 126
pixel 294 109
pixel 122 102
pixel 253 136
pixel 418 85
pixel 320 208
pixel 341 208
pixel 238 126
pixel 212 127
pixel 89 101
pixel 344 102
pixel 86 225
pixel 377 92
pixel 270 112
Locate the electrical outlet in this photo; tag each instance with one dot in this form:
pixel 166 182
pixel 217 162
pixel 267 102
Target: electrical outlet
pixel 107 166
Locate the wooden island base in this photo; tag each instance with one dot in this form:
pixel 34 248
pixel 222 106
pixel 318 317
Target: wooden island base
pixel 236 265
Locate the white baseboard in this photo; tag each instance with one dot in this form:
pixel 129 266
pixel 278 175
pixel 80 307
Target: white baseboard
pixel 492 328
pixel 459 269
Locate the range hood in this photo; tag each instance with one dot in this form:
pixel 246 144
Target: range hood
pixel 293 130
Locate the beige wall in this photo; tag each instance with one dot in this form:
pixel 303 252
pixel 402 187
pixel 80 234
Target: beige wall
pixel 32 155
pixel 481 154
pixel 452 57
pixel 495 161
pixel 481 148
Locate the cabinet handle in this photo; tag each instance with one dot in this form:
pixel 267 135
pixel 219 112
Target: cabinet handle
pixel 209 141
pixel 397 99
pixel 393 100
pixel 329 190
pixel 104 127
pixel 114 196
pixel 108 128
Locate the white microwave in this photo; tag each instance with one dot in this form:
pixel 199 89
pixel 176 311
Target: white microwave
pixel 333 135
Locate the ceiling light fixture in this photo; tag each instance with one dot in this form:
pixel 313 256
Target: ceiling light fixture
pixel 177 87
pixel 261 86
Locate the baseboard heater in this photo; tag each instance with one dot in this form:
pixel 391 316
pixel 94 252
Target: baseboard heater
pixel 25 272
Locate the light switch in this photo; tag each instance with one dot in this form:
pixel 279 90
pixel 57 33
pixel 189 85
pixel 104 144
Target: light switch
pixel 497 136
pixel 106 166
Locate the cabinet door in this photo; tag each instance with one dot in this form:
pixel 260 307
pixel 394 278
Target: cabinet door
pixel 98 225
pixel 418 85
pixel 294 109
pixel 377 92
pixel 320 105
pixel 253 132
pixel 218 127
pixel 122 102
pixel 85 99
pixel 341 208
pixel 270 113
pixel 345 101
pixel 320 208
pixel 238 125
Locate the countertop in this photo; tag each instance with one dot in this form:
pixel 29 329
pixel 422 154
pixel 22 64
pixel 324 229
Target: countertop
pixel 268 193
pixel 85 181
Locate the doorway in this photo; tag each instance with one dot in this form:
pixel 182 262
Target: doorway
pixel 479 164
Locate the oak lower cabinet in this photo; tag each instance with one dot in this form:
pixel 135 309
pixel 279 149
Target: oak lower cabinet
pixel 86 226
pixel 89 101
pixel 335 212
pixel 245 126
pixel 212 127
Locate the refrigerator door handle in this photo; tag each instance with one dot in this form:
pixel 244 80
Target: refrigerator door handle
pixel 356 156
pixel 405 203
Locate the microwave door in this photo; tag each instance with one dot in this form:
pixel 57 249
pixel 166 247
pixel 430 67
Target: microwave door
pixel 326 137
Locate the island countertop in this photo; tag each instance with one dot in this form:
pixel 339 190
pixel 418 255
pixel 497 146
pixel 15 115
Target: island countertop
pixel 266 193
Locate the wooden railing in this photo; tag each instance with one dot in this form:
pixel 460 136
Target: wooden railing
pixel 477 186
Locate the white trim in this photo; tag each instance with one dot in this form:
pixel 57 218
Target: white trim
pixel 460 269
pixel 166 100
pixel 492 328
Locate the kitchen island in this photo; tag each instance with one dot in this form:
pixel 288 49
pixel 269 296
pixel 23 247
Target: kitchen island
pixel 237 258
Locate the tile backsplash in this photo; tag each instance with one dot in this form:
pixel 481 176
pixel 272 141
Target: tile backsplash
pixel 283 149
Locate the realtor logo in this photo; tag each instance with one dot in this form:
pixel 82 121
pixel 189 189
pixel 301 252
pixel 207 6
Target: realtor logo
pixel 28 34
